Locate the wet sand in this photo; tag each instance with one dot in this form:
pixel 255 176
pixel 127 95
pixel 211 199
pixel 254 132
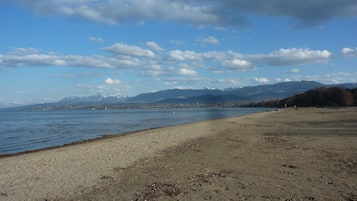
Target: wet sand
pixel 304 154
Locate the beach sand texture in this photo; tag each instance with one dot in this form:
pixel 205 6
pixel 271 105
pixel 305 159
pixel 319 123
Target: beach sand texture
pixel 303 154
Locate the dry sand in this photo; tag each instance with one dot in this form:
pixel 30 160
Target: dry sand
pixel 304 154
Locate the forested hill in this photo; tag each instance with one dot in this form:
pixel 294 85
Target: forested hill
pixel 322 97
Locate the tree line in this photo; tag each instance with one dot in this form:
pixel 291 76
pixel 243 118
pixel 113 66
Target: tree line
pixel 319 97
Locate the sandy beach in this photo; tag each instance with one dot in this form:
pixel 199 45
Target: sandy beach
pixel 303 154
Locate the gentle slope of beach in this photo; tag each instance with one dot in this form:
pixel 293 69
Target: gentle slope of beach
pixel 304 154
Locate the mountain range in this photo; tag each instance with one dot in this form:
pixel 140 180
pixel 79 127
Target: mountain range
pixel 244 94
pixel 253 93
pixel 99 98
pixel 192 96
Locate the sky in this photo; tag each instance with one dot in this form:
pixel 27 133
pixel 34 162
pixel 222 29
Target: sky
pixel 51 49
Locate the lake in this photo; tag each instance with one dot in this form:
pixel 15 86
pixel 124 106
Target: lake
pixel 22 131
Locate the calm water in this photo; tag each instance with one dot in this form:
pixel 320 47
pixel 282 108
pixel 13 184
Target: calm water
pixel 28 130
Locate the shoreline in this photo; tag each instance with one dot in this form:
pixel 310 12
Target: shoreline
pixel 26 175
pixel 309 153
pixel 109 136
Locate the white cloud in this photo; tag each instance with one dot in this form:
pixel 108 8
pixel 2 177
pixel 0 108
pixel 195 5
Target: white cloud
pixel 154 70
pixel 124 49
pixel 350 52
pixel 21 57
pixel 95 39
pixel 128 56
pixel 186 71
pixel 293 56
pixel 23 51
pixel 31 57
pixel 168 63
pixel 111 81
pixel 215 71
pixel 93 14
pixel 184 55
pixel 261 80
pixel 208 40
pixel 154 46
pixel 238 64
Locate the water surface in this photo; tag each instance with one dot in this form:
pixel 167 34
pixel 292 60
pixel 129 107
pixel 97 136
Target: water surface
pixel 31 130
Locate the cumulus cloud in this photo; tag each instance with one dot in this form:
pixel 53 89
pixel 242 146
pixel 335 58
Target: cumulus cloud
pixel 261 80
pixel 29 57
pixel 111 81
pixel 293 56
pixel 186 71
pixel 154 46
pixel 200 12
pixel 154 70
pixel 96 40
pixel 350 52
pixel 124 49
pixel 168 62
pixel 238 64
pixel 23 51
pixel 180 55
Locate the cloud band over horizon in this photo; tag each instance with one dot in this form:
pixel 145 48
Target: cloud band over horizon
pixel 132 56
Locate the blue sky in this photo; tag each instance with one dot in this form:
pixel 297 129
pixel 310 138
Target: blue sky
pixel 58 48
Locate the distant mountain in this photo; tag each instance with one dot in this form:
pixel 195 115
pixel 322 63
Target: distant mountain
pixel 252 93
pixel 206 99
pixel 97 99
pixel 78 102
pixel 173 94
pixel 275 91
